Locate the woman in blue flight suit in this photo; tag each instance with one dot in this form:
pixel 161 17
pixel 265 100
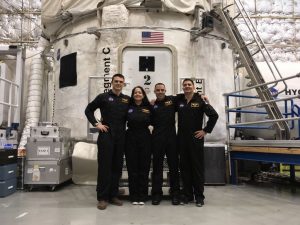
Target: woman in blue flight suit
pixel 138 145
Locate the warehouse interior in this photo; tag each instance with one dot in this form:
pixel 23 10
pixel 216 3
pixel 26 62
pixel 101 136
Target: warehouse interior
pixel 57 56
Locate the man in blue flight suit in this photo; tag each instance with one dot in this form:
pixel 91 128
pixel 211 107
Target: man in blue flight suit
pixel 113 106
pixel 191 109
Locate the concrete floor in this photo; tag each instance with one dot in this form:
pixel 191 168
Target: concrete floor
pixel 233 205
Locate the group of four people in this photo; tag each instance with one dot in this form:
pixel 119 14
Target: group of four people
pixel 139 143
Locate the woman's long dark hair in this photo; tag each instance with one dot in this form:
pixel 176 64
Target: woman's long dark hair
pixel 145 101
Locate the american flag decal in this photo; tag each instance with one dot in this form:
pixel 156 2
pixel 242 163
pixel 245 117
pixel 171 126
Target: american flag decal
pixel 149 37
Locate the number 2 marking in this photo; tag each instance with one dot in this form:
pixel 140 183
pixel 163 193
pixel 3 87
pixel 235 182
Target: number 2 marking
pixel 147 78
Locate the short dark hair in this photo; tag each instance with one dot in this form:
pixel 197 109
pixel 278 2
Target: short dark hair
pixel 188 79
pixel 159 84
pixel 145 100
pixel 117 75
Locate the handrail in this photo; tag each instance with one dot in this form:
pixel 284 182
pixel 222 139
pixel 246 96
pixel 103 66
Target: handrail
pixel 267 96
pixel 264 103
pixel 243 96
pixel 297 114
pixel 253 27
pixel 261 41
pixel 265 121
pixel 294 113
pixel 248 111
pixel 264 84
pixel 250 127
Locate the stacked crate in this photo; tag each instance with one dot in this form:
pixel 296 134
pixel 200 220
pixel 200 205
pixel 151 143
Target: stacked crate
pixel 48 156
pixel 8 163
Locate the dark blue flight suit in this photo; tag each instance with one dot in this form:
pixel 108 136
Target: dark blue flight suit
pixel 138 151
pixel 110 144
pixel 191 149
pixel 164 143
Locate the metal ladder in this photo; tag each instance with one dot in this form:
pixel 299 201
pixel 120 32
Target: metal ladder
pixel 245 57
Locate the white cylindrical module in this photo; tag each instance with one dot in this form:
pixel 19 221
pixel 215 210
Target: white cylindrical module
pixel 123 43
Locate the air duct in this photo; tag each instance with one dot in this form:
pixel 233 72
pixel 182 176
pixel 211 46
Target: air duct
pixel 35 83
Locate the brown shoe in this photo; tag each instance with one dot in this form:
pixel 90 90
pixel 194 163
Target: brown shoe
pixel 102 204
pixel 116 201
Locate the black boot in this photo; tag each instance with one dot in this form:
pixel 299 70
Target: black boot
pixel 156 199
pixel 199 202
pixel 175 200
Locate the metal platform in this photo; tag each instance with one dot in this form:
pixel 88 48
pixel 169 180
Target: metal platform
pixel 273 151
pixel 268 143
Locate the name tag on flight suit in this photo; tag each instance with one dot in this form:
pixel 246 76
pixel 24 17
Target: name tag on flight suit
pixel 145 111
pixel 168 103
pixel 194 105
pixel 124 100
